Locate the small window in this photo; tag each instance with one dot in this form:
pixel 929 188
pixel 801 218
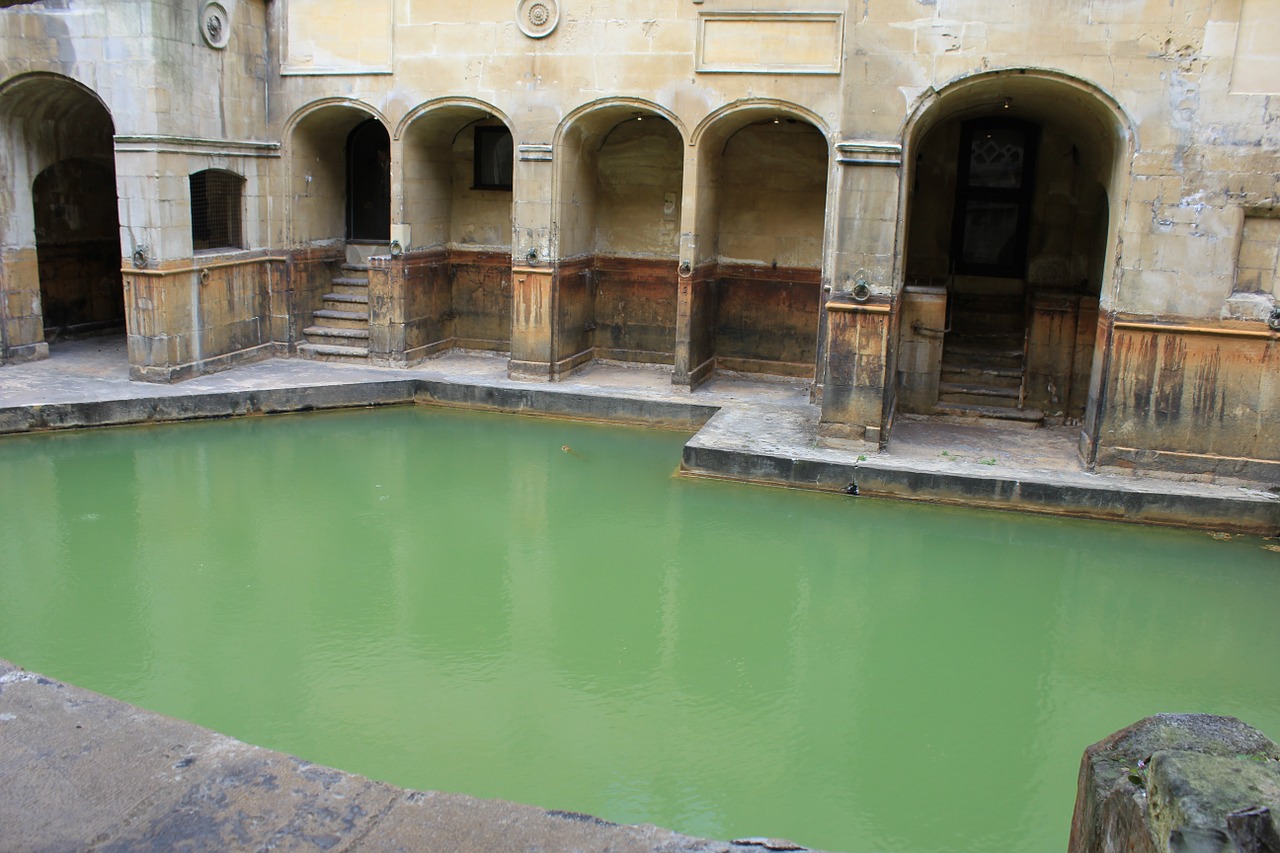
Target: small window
pixel 494 155
pixel 215 210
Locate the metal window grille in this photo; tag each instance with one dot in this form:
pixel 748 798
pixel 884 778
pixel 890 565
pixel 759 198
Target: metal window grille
pixel 215 210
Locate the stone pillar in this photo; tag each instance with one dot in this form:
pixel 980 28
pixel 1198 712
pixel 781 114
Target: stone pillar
pixel 386 311
pixel 694 360
pixel 1177 783
pixel 855 360
pixel 695 327
pixel 533 302
pixel 532 320
pixel 853 401
pixel 21 319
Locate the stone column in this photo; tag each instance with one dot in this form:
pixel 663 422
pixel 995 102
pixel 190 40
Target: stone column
pixel 532 275
pixel 855 351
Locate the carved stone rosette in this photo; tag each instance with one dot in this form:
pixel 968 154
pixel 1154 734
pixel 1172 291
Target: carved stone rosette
pixel 537 18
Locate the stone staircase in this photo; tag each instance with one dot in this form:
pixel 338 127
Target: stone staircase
pixel 340 330
pixel 983 361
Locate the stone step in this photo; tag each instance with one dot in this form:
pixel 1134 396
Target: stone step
pixel 975 388
pixel 336 336
pixel 999 377
pixel 983 401
pixel 329 352
pixel 347 301
pixel 340 281
pixel 341 319
pixel 993 414
pixel 357 268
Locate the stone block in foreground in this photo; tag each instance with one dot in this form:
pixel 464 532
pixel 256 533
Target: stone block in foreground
pixel 1179 783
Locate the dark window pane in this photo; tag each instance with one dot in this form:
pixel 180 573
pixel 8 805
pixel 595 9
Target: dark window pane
pixel 996 157
pixel 494 158
pixel 215 210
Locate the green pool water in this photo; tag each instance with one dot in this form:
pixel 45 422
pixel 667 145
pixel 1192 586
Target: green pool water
pixel 450 600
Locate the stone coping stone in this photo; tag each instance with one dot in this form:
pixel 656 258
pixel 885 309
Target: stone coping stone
pixel 79 770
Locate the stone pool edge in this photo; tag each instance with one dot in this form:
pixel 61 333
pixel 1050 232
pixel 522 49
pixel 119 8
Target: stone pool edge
pixel 82 770
pixel 741 453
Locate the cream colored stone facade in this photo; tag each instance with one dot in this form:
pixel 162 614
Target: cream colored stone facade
pixel 769 187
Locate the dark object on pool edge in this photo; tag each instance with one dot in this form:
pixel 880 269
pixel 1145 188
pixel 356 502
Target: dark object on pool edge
pixel 851 489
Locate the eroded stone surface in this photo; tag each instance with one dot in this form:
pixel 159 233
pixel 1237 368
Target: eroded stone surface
pixel 1169 784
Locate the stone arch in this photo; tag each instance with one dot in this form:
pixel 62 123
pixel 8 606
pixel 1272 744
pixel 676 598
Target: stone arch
pixel 619 174
pixel 440 204
pixel 758 235
pixel 454 200
pixel 1020 323
pixel 316 139
pixel 60 254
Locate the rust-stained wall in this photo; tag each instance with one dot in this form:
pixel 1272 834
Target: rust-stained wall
pixel 574 315
pixel 21 318
pixel 635 309
pixel 1060 346
pixel 481 287
pixel 532 323
pixel 767 319
pixel 185 321
pixel 853 394
pixel 1199 399
pixel 309 277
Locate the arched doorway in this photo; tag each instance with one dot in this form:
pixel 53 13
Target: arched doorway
pixel 60 255
pixel 1007 248
pixel 78 248
pixel 369 183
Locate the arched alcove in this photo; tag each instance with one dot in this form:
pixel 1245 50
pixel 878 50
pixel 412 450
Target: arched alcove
pixel 333 178
pixel 619 184
pixel 761 226
pixel 457 185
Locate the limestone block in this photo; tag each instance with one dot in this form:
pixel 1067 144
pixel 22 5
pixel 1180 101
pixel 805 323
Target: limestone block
pixel 1178 782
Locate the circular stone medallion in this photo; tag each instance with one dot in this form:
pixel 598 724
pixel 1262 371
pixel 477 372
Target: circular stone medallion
pixel 215 25
pixel 537 18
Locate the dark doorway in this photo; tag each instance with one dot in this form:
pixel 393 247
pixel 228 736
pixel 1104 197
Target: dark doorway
pixel 78 247
pixel 369 183
pixel 994 186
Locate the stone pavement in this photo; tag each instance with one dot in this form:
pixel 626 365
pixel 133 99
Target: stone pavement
pixel 748 429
